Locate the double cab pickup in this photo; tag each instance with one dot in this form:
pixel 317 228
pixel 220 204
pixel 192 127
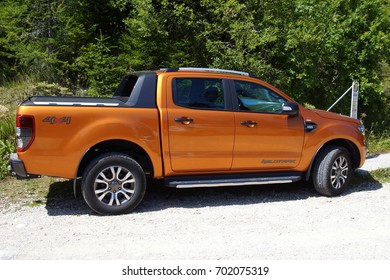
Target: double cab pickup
pixel 190 127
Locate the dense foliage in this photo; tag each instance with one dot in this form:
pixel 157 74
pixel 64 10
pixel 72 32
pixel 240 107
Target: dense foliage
pixel 311 49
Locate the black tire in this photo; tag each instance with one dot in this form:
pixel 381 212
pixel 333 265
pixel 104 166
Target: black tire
pixel 332 171
pixel 113 184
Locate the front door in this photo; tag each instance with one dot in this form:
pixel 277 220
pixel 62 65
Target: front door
pixel 265 138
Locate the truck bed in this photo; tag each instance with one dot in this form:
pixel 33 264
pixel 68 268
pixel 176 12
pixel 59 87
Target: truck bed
pixel 74 101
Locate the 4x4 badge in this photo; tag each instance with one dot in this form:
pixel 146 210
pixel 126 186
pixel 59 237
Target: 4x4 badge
pixel 55 120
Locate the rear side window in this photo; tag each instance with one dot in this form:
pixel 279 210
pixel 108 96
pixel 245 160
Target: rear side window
pixel 126 87
pixel 198 93
pixel 138 90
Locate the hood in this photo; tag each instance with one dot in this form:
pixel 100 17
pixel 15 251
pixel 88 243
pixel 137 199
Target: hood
pixel 334 116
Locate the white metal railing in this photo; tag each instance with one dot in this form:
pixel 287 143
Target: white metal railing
pixel 354 100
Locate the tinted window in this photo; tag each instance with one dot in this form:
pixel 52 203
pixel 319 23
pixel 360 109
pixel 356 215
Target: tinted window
pixel 257 98
pixel 200 93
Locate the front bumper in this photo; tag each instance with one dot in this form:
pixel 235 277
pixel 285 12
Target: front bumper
pixel 16 167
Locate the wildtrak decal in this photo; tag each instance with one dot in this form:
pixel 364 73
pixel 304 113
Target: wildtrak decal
pixel 55 120
pixel 268 161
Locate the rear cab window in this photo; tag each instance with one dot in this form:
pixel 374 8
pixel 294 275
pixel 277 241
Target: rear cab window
pixel 138 90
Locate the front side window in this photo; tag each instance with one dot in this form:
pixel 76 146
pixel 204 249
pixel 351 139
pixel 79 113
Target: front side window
pixel 257 98
pixel 198 93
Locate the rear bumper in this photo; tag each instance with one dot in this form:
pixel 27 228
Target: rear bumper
pixel 16 167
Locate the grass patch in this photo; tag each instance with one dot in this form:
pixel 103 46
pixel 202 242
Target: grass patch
pixel 378 144
pixel 381 175
pixel 15 194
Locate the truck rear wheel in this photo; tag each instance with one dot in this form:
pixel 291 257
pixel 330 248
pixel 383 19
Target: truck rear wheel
pixel 332 171
pixel 113 184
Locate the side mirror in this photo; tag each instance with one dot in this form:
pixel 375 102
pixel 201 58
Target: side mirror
pixel 290 108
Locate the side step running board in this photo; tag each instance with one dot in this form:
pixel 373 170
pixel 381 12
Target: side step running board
pixel 235 180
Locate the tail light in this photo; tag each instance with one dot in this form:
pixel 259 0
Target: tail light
pixel 25 132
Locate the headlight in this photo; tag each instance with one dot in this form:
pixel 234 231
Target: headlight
pixel 361 129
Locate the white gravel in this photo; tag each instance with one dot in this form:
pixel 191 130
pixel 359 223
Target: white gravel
pixel 377 161
pixel 267 222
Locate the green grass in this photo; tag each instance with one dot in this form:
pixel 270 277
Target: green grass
pixel 381 175
pixel 378 144
pixel 18 193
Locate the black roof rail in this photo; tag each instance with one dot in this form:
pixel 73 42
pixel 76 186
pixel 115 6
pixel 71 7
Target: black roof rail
pixel 215 70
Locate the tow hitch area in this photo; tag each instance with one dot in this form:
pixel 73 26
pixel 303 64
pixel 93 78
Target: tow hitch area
pixel 16 168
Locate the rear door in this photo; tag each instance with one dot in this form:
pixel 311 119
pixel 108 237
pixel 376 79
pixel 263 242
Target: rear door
pixel 200 127
pixel 265 138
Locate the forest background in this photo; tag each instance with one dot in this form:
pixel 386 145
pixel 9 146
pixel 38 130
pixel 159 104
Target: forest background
pixel 310 49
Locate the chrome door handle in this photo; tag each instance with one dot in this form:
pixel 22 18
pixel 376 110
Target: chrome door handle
pixel 184 120
pixel 250 124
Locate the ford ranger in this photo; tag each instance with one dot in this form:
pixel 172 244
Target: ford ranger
pixel 190 127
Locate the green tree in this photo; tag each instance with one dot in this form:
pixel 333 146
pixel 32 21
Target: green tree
pixel 164 34
pixel 101 70
pixel 44 38
pixel 312 50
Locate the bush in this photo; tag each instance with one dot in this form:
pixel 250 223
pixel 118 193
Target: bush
pixel 378 142
pixel 16 92
pixel 7 136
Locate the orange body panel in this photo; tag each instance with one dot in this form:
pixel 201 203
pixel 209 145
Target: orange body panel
pixel 330 127
pixel 58 148
pixel 215 141
pixel 278 143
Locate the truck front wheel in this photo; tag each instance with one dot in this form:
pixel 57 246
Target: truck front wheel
pixel 113 184
pixel 332 171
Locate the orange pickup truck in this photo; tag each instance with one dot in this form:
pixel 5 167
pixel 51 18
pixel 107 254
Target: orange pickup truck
pixel 190 127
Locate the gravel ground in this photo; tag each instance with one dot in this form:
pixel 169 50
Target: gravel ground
pixel 285 222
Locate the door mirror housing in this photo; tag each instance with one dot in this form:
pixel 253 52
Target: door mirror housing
pixel 290 108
